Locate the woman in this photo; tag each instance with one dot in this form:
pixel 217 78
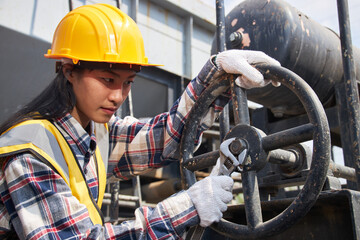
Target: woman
pixel 59 150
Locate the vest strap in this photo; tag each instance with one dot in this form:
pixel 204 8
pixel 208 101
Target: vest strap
pixel 45 141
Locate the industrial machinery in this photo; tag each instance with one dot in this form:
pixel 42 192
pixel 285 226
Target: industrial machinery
pixel 290 190
pixel 290 187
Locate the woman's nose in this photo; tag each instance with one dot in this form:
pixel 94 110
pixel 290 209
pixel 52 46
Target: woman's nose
pixel 116 96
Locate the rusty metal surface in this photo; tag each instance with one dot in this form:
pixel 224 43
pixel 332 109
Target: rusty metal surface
pixel 221 46
pixel 333 217
pixel 299 43
pixel 202 161
pixel 348 95
pixel 314 181
pixel 188 143
pixel 239 104
pixel 317 175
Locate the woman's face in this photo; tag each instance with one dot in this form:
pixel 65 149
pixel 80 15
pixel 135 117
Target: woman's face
pixel 99 93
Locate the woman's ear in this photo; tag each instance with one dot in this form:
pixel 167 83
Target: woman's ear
pixel 68 72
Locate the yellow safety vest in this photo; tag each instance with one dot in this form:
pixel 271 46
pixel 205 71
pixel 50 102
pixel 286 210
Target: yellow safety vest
pixel 44 140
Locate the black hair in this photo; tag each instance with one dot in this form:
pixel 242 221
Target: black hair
pixel 55 101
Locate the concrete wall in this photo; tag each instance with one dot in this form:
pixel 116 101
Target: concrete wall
pixel 162 23
pixel 24 70
pixel 175 34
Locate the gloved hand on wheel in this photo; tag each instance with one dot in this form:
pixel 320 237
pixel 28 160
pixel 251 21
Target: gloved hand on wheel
pixel 210 197
pixel 239 62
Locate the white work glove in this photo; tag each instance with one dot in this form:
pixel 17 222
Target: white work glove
pixel 210 197
pixel 238 62
pixel 215 171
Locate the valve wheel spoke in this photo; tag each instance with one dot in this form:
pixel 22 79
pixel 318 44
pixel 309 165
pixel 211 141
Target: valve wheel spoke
pixel 259 146
pixel 252 199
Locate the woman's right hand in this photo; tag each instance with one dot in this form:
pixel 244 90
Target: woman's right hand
pixel 210 197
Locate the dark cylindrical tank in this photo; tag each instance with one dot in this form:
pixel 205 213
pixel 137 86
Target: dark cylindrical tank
pixel 298 42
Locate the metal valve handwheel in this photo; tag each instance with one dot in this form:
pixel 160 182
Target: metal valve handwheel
pixel 317 130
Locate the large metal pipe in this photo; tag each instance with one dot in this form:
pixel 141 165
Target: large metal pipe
pixel 279 156
pixel 300 44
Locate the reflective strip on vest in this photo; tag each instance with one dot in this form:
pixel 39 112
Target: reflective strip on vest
pixel 44 140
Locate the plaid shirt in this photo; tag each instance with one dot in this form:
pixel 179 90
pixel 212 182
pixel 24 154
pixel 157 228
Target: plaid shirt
pixel 37 203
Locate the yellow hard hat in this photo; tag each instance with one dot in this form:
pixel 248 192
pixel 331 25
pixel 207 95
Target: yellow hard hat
pixel 98 33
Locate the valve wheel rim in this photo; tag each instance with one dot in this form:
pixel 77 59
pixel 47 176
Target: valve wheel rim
pixel 320 161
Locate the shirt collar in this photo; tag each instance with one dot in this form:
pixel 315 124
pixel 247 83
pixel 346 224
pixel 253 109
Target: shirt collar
pixel 86 142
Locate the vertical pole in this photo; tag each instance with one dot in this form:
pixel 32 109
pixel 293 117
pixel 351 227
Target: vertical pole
pixel 350 123
pixel 224 116
pixel 252 199
pixel 135 180
pixel 115 187
pixel 134 6
pixel 240 104
pixel 126 109
pixel 70 6
pixel 114 203
pixel 118 4
pixel 188 27
pixel 187 46
pixel 221 46
pixel 220 26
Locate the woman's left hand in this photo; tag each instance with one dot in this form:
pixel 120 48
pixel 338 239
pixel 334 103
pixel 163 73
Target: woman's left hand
pixel 238 62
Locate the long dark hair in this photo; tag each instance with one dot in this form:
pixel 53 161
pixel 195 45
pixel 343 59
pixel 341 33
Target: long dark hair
pixel 53 102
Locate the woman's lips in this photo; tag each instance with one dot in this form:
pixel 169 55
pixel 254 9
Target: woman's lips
pixel 109 110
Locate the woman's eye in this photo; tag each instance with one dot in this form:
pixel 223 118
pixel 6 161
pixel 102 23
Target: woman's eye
pixel 108 80
pixel 129 82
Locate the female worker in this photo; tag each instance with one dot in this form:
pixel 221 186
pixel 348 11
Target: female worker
pixel 59 150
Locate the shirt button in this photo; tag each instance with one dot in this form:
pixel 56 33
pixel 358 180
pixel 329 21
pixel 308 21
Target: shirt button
pixel 92 145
